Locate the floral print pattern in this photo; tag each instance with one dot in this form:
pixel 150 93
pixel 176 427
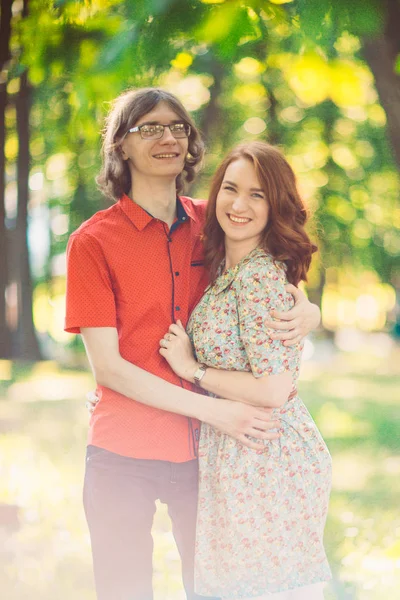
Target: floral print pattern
pixel 261 513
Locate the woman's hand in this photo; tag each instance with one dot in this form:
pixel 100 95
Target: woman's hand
pixel 92 400
pixel 177 350
pixel 296 323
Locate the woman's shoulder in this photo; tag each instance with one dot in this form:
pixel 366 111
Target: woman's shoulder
pixel 261 265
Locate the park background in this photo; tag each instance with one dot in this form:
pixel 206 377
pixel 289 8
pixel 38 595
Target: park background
pixel 318 78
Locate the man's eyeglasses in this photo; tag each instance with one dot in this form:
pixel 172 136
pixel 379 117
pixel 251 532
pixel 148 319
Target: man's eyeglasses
pixel 155 132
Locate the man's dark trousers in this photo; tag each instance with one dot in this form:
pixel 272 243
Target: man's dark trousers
pixel 119 499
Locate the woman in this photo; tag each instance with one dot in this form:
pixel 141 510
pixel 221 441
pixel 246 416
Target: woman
pixel 261 514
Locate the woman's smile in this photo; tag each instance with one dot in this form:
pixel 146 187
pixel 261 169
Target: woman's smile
pixel 238 220
pixel 242 209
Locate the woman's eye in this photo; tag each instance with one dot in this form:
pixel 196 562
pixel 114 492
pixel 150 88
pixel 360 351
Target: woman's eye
pixel 257 195
pixel 229 188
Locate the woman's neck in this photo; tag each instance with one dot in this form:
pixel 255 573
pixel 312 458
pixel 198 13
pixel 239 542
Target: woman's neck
pixel 235 251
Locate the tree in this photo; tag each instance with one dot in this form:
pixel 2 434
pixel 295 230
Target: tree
pixel 381 52
pixel 5 55
pixel 25 341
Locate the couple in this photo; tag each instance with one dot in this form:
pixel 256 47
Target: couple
pixel 136 275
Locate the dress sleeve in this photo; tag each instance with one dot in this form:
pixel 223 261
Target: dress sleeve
pixel 261 288
pixel 90 300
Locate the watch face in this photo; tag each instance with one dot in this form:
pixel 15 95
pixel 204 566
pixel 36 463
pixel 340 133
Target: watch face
pixel 199 374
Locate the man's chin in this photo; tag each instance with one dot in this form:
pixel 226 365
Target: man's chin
pixel 169 172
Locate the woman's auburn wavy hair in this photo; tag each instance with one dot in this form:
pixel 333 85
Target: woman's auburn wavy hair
pixel 114 178
pixel 284 236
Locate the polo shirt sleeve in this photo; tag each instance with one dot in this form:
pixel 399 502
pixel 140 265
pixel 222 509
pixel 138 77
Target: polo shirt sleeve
pixel 90 300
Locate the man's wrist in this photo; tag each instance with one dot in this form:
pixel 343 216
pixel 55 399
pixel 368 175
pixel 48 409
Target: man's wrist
pixel 316 316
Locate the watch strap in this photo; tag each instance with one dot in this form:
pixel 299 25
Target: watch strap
pixel 199 374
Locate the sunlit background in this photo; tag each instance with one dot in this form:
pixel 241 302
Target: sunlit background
pixel 312 77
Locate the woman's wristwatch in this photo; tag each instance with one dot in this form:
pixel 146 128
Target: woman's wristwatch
pixel 199 374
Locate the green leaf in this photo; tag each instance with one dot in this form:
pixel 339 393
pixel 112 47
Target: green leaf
pixel 313 16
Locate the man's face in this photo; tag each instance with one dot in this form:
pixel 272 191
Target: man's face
pixel 162 158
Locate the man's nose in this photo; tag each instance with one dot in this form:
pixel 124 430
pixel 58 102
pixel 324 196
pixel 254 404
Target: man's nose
pixel 167 136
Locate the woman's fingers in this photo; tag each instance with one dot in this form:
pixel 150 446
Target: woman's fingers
pixel 175 329
pixel 91 401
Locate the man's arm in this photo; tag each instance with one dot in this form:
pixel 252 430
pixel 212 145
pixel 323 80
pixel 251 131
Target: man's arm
pixel 111 370
pixel 296 323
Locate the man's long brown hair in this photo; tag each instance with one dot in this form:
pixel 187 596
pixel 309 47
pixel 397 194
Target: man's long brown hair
pixel 114 178
pixel 284 236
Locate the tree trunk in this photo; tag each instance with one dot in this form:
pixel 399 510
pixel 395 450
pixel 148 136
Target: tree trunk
pixel 5 32
pixel 211 120
pixel 211 117
pixel 26 344
pixel 381 54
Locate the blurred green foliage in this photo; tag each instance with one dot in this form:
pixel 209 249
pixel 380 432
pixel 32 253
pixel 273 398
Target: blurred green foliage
pixel 292 73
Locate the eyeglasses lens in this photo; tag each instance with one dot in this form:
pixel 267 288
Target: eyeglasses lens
pixel 155 132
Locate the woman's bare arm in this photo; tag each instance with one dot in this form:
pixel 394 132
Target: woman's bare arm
pixel 269 391
pixel 236 419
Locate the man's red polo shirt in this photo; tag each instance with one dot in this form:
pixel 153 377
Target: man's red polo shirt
pixel 125 269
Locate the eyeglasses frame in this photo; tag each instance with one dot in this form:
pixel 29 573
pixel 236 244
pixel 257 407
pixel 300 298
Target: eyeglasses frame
pixel 138 129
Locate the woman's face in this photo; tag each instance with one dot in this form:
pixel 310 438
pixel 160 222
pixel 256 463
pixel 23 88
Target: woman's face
pixel 242 208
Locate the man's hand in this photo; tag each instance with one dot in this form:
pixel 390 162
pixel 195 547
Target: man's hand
pixel 296 323
pixel 241 421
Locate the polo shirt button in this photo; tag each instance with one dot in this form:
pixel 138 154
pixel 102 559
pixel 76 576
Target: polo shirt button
pixel 177 273
pixel 177 308
pixel 183 218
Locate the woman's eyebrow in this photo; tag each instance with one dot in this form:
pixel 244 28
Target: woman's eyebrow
pixel 251 189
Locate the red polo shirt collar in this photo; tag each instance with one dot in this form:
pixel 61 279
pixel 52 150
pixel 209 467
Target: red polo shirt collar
pixel 140 217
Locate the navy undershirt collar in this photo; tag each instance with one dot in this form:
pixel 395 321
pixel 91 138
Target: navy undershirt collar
pixel 181 215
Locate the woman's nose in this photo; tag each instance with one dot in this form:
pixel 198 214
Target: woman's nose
pixel 239 203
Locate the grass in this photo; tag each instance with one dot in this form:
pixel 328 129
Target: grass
pixel 44 544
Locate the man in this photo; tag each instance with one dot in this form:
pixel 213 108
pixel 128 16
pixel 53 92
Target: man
pixel 132 270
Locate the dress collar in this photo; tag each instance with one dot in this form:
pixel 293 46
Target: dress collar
pixel 226 277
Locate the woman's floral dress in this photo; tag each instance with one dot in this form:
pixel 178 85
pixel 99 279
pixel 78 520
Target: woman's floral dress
pixel 261 514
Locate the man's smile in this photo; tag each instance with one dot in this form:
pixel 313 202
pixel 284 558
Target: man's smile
pixel 166 155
